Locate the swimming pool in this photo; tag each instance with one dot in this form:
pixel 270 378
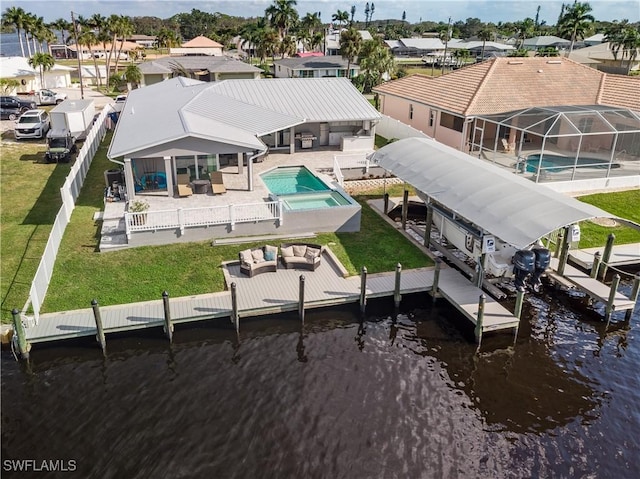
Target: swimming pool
pixel 286 180
pixel 300 189
pixel 556 163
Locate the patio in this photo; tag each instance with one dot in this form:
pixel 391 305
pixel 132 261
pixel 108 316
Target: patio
pixel 320 160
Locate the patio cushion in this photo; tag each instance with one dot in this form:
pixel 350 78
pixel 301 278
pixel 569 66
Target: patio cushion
pixel 258 255
pixel 245 256
pixel 299 249
pixel 312 253
pixel 270 252
pixel 287 251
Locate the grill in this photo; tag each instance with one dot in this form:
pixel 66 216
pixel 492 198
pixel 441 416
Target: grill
pixel 306 140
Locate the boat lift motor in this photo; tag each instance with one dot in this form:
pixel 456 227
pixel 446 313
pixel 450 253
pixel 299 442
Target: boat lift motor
pixel 524 263
pixel 543 259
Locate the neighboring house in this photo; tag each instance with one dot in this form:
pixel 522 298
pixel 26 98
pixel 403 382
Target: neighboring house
pixel 475 47
pixel 332 41
pixel 594 39
pixel 92 75
pixel 145 41
pixel 314 67
pixel 198 46
pixel 128 51
pixel 446 107
pixel 415 47
pixel 198 127
pixel 18 68
pixel 605 61
pixel 200 67
pixel 546 41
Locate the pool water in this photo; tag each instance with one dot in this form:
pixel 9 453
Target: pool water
pixel 556 163
pixel 309 201
pixel 289 180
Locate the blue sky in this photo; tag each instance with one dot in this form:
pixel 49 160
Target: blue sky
pixel 434 10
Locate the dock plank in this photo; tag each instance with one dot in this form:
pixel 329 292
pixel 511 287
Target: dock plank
pixel 590 286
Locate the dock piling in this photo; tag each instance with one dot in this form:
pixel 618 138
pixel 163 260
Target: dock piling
pixel 396 292
pixel 519 300
pixel 478 331
pixel 633 296
pixel 301 300
pixel 386 203
pixel 612 295
pixel 427 226
pixel 235 317
pixel 564 251
pixel 436 279
pixel 168 326
pixel 405 208
pixel 20 336
pixel 606 256
pixel 363 290
pixel 595 266
pixel 100 332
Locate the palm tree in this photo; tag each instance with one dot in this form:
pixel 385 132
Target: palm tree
pixel 340 16
pixel 524 30
pixel 576 21
pixel 125 28
pixel 250 34
pixel 484 34
pixel 88 38
pixel 282 15
pixel 287 46
pixel 42 61
pixel 353 13
pixel 62 26
pixel 132 74
pixel 15 17
pixel 350 44
pixel 375 61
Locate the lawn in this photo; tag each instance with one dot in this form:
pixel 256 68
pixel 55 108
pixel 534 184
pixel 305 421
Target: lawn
pixel 30 200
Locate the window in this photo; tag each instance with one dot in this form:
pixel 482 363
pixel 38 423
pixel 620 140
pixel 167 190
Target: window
pixel 432 118
pixel 585 125
pixel 410 112
pixel 451 121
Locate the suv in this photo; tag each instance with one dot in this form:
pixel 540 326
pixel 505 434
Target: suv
pixel 11 107
pixel 32 124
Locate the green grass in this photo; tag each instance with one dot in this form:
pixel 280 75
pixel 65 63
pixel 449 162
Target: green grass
pixel 139 274
pixel 30 195
pixel 625 204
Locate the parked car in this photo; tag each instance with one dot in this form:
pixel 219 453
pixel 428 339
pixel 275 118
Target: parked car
pixel 32 124
pixel 11 107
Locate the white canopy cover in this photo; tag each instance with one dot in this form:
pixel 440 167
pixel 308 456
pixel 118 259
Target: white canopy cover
pixel 507 206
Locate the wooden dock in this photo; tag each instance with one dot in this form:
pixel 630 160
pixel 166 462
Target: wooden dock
pixel 574 278
pixel 270 293
pixel 621 255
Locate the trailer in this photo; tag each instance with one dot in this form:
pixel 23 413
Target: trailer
pixel 70 121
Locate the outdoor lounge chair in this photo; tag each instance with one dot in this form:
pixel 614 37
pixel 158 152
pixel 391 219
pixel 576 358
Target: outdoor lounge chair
pixel 184 188
pixel 217 185
pixel 508 147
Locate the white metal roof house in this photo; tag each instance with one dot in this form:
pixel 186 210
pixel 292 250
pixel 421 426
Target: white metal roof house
pixel 314 67
pixel 197 125
pixel 201 67
pixel 19 69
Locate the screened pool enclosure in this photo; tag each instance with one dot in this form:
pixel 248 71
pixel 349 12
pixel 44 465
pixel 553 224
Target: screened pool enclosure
pixel 562 143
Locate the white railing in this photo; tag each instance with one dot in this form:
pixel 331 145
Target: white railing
pixel 70 191
pixel 350 161
pixel 183 218
pixel 337 172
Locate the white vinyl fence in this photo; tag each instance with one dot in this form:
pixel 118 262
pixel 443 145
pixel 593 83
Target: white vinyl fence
pixel 70 191
pixel 391 128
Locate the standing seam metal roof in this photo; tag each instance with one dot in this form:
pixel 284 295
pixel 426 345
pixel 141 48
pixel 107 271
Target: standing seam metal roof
pixel 512 208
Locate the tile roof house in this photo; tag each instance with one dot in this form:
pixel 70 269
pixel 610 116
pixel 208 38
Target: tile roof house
pixel 198 46
pixel 444 107
pixel 200 67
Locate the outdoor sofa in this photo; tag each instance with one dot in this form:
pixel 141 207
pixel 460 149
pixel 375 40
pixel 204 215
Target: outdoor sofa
pixel 301 255
pixel 258 260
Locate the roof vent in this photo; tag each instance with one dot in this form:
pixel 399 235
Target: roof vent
pixel 515 62
pixel 555 62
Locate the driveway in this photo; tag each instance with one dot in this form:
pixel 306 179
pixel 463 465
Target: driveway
pixel 99 100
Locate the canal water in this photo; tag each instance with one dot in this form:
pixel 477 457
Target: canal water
pixel 397 396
